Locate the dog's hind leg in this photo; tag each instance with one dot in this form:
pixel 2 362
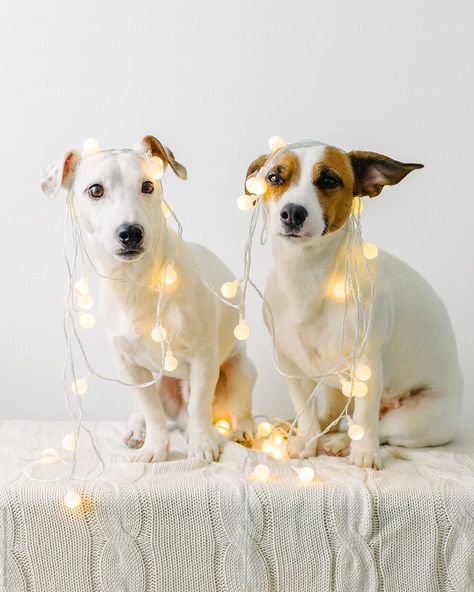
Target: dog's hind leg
pixel 234 396
pixel 428 417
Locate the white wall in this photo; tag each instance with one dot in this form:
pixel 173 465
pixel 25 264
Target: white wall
pixel 214 80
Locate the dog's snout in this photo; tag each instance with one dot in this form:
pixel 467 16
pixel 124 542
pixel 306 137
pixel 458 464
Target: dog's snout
pixel 293 215
pixel 130 235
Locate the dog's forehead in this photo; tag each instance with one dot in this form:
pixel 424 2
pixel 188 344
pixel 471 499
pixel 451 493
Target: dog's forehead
pixel 314 158
pixel 111 165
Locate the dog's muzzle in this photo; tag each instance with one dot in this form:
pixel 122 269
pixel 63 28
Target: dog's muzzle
pixel 292 218
pixel 130 237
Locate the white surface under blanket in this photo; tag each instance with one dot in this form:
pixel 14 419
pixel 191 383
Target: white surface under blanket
pixel 188 526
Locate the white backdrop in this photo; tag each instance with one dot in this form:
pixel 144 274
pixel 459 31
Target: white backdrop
pixel 214 80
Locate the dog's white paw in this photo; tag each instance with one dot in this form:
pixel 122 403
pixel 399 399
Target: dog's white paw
pixel 336 444
pixel 365 455
pixel 151 455
pixel 135 436
pixel 245 438
pixel 299 447
pixel 204 445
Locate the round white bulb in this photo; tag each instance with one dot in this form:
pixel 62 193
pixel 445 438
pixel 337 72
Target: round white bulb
pixel 256 185
pixel 72 499
pixel 360 389
pixel 69 442
pixel 347 388
pixel 267 446
pixel 156 168
pixel 82 285
pixel 86 320
pixel 242 330
pixel 171 363
pixel 245 202
pixel 278 439
pixel 370 250
pixel 159 334
pixel 170 274
pixel 90 146
pixel 276 143
pixel 339 290
pixel 80 386
pixel 222 426
pixel 261 472
pixel 363 372
pixel 306 474
pixel 277 453
pixel 264 429
pixel 85 301
pixel 229 289
pixel 355 431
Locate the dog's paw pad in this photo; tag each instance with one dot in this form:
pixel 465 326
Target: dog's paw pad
pixel 336 444
pixel 243 437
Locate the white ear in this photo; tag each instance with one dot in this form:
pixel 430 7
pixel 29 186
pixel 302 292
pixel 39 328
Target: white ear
pixel 59 174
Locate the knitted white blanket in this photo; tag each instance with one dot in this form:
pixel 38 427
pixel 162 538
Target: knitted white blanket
pixel 188 526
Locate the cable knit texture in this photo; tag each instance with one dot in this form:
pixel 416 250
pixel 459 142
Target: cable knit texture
pixel 188 526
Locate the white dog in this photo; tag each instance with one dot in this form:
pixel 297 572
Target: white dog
pixel 415 389
pixel 119 208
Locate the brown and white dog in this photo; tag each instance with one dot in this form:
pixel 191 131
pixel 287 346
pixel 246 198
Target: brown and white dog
pixel 119 208
pixel 415 389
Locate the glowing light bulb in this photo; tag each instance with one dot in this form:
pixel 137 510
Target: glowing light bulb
pixel 276 143
pixel 261 472
pixel 229 289
pixel 242 330
pixel 85 301
pixel 360 389
pixel 72 499
pixel 69 442
pixel 86 320
pixel 264 429
pixel 90 146
pixel 277 453
pixel 170 274
pixel 171 363
pixel 278 439
pixel 339 290
pixel 245 202
pixel 357 205
pixel 222 426
pixel 306 474
pixel 82 285
pixel 363 372
pixel 370 250
pixel 256 185
pixel 267 446
pixel 80 386
pixel 347 388
pixel 159 334
pixel 355 431
pixel 156 167
pixel 166 210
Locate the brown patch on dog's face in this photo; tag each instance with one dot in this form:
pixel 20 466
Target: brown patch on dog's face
pixel 283 175
pixel 333 180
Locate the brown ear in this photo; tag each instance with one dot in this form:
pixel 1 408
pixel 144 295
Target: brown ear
pixel 255 166
pixel 157 149
pixel 373 171
pixel 59 174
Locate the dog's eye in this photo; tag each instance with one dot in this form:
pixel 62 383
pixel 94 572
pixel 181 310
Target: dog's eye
pixel 275 179
pixel 148 187
pixel 328 181
pixel 96 191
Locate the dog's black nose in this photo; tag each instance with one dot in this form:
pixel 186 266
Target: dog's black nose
pixel 293 216
pixel 130 235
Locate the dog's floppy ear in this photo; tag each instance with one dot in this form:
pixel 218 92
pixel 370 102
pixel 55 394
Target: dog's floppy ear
pixel 59 174
pixel 157 149
pixel 255 166
pixel 373 171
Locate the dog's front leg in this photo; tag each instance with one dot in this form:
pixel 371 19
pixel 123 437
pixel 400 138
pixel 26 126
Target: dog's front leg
pixel 366 452
pixel 203 440
pixel 308 422
pixel 156 445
